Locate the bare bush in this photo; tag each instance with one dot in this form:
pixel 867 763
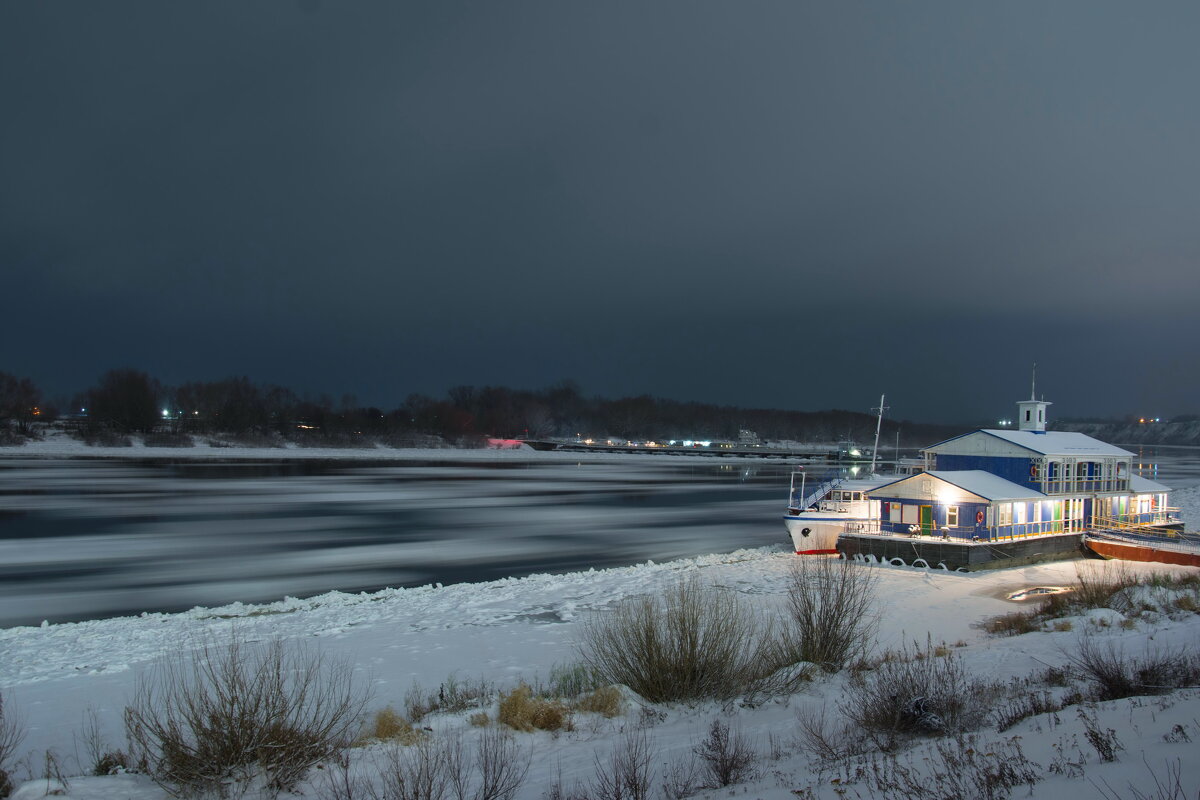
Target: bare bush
pixel 1104 742
pixel 12 733
pixel 230 718
pixel 1024 706
pixel 1094 588
pixel 1014 623
pixel 825 740
pixel 1115 675
pixel 419 772
pixel 915 692
pixel 726 755
pixel 956 768
pixel 1168 785
pixel 681 777
pixel 693 643
pixel 626 774
pixel 452 696
pixel 832 612
pixel 571 680
pixel 493 770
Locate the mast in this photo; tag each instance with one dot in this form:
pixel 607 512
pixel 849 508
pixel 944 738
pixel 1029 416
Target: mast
pixel 878 426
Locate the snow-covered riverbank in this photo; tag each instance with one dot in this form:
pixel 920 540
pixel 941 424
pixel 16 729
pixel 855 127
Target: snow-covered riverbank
pixel 511 630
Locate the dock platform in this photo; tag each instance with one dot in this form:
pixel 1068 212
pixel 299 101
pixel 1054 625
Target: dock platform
pixel 962 556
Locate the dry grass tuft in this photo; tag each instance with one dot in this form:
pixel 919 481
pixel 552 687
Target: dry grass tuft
pixel 520 710
pixel 606 701
pixel 1014 623
pixel 389 726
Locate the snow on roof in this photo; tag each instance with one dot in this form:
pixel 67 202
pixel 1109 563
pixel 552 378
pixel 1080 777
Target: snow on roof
pixel 986 485
pixel 978 482
pixel 1052 443
pixel 1139 484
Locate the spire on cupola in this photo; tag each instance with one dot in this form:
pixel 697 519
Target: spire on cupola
pixel 1031 413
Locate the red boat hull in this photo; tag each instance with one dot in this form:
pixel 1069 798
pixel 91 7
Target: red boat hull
pixel 1107 548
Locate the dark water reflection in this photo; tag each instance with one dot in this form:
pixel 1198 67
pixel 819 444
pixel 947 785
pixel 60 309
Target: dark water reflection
pixel 84 539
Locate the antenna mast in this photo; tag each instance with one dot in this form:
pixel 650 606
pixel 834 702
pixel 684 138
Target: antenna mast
pixel 878 425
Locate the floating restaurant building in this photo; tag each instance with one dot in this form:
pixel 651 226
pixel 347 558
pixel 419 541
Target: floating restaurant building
pixel 994 498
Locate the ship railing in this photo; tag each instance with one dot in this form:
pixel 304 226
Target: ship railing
pixel 1135 522
pixel 1007 533
pixel 816 494
pixel 863 526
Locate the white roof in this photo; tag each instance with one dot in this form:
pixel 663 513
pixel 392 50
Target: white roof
pixel 978 482
pixel 1053 443
pixel 1142 485
pixel 986 485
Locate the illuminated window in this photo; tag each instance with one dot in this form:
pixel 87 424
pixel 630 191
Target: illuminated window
pixel 1005 513
pixel 952 516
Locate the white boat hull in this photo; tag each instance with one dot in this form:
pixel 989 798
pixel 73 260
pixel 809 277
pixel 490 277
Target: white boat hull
pixel 815 532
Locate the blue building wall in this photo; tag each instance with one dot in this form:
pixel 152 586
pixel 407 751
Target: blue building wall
pixel 1015 469
pixel 967 528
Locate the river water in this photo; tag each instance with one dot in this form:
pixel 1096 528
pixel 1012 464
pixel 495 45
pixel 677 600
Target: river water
pixel 82 539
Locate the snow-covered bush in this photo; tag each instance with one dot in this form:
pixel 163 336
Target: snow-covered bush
pixel 1115 675
pixel 831 604
pixel 230 718
pixel 953 769
pixel 916 692
pixel 726 755
pixel 694 642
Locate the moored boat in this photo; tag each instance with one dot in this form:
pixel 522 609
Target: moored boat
pixel 1166 548
pixel 816 520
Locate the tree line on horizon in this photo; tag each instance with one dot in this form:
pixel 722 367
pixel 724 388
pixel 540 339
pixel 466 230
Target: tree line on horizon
pixel 127 401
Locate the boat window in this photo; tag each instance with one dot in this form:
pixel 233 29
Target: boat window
pixel 952 516
pixel 858 495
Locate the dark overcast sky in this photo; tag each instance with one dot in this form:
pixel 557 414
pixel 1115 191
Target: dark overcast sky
pixel 787 204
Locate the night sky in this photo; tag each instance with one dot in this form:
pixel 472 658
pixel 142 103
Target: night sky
pixel 768 204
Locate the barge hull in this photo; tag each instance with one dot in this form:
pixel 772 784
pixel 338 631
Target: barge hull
pixel 964 556
pixel 1106 548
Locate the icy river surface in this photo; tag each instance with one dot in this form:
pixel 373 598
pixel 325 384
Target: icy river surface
pixel 83 539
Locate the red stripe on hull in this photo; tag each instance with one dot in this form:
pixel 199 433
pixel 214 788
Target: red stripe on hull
pixel 1129 552
pixel 816 552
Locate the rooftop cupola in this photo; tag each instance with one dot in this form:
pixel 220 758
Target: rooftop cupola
pixel 1031 413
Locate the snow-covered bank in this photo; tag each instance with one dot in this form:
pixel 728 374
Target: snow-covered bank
pixel 507 630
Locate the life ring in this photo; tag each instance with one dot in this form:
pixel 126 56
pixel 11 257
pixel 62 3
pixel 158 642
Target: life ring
pixel 978 517
pixel 1033 470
